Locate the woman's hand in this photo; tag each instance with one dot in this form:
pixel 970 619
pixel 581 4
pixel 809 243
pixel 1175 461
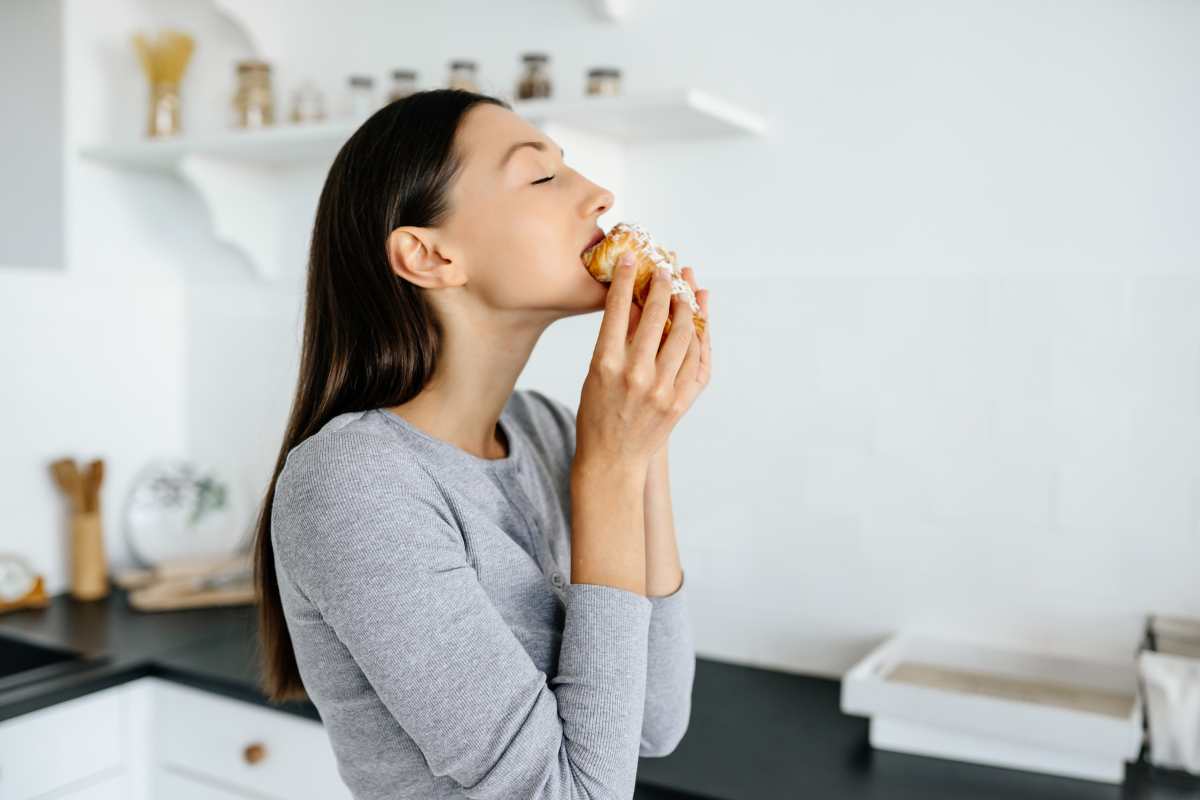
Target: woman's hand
pixel 705 370
pixel 639 386
pixel 703 340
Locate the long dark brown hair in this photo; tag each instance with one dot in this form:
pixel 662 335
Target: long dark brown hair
pixel 370 339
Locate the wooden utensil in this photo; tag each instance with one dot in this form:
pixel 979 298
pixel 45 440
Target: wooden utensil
pixel 92 479
pixel 66 474
pixel 89 566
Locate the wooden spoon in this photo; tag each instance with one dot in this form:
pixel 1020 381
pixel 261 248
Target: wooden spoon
pixel 66 473
pixel 92 480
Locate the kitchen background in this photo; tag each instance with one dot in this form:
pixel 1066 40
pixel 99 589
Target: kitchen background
pixel 955 286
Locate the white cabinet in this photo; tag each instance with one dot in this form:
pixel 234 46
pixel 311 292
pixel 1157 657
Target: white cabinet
pixel 151 739
pixel 242 745
pixel 171 785
pixel 62 746
pixel 107 786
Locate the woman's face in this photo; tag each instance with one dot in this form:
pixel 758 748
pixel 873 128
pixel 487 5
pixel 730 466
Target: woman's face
pixel 519 220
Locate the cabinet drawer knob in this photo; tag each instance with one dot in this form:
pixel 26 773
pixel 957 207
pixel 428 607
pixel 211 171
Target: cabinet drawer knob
pixel 254 752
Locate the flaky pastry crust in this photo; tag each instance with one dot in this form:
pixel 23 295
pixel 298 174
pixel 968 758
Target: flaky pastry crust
pixel 601 261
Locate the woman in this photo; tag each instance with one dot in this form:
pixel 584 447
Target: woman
pixel 413 548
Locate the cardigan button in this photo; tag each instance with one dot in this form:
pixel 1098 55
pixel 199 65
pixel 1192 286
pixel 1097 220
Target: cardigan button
pixel 557 580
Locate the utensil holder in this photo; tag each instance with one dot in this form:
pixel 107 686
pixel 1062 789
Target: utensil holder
pixel 89 568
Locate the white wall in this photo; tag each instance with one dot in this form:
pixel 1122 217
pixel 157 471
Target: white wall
pixel 99 359
pixel 31 106
pixel 91 369
pixel 957 354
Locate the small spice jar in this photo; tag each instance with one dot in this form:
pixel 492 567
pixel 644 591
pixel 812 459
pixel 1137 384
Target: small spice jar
pixel 463 76
pixel 253 103
pixel 404 83
pixel 535 80
pixel 603 80
pixel 308 104
pixel 360 96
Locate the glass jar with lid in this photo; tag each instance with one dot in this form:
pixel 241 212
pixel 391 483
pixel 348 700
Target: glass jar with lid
pixel 253 103
pixel 603 81
pixel 535 80
pixel 463 75
pixel 404 83
pixel 361 100
pixel 164 109
pixel 308 104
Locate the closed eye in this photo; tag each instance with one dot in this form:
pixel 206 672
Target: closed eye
pixel 543 180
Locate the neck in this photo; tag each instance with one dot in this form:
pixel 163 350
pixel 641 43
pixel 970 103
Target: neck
pixel 477 370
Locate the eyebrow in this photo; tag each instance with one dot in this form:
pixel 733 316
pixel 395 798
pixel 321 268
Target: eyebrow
pixel 534 144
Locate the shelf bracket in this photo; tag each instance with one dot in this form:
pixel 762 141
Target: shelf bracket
pixel 612 10
pixel 243 202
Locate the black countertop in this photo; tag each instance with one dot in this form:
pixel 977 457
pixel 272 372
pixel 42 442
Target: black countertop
pixel 754 733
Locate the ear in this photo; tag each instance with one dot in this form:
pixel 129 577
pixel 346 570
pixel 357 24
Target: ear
pixel 413 254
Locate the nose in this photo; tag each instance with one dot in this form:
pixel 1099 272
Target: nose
pixel 601 200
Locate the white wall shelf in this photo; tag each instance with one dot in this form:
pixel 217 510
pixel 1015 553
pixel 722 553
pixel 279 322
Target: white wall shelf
pixel 612 10
pixel 277 146
pixel 237 172
pixel 645 117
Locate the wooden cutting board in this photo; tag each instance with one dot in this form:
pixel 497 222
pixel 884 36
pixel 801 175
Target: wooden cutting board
pixel 173 594
pixel 172 585
pixel 1026 690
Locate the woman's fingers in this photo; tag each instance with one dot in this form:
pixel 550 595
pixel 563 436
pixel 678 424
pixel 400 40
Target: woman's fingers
pixel 689 275
pixel 673 351
pixel 635 317
pixel 615 324
pixel 687 383
pixel 702 373
pixel 682 358
pixel 650 327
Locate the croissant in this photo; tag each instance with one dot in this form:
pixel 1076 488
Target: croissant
pixel 601 260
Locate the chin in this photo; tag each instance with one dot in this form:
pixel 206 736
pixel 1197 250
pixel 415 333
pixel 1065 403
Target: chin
pixel 584 294
pixel 593 288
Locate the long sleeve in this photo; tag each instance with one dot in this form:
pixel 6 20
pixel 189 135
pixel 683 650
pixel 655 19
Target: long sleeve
pixel 671 654
pixel 671 667
pixel 381 559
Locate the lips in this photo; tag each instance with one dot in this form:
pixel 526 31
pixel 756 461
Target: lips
pixel 597 237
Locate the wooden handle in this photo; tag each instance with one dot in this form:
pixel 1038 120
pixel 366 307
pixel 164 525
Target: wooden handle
pixel 254 753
